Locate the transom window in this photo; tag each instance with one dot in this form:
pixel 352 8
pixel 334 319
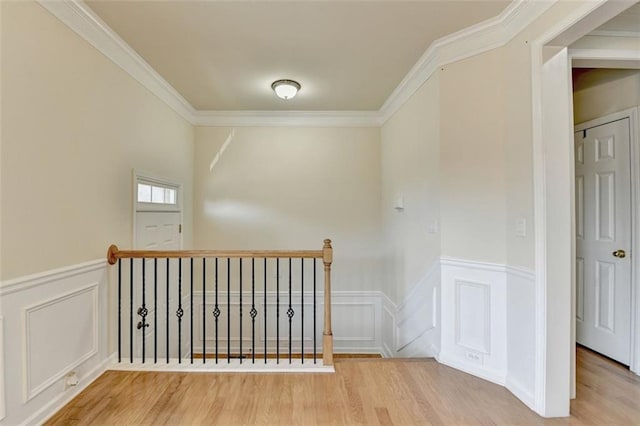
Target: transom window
pixel 153 194
pixel 148 193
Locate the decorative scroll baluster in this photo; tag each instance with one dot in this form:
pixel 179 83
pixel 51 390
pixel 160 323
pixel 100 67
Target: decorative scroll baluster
pixel 240 306
pixel 290 312
pixel 180 311
pixel 142 311
pixel 278 311
pixel 265 310
pixel 119 310
pixel 204 311
pixel 155 310
pixel 191 311
pixel 216 309
pixel 253 311
pixel 315 349
pixel 228 310
pixel 131 310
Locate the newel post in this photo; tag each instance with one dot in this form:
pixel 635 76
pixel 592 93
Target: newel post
pixel 112 254
pixel 327 334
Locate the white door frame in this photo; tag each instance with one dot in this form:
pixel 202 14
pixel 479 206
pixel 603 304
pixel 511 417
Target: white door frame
pixel 634 159
pixel 143 176
pixel 553 173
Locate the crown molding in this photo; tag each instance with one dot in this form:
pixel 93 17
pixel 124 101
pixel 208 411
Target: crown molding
pixel 81 19
pixel 608 33
pixel 288 118
pixel 471 41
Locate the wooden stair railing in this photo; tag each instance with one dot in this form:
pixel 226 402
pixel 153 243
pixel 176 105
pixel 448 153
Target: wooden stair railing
pixel 137 296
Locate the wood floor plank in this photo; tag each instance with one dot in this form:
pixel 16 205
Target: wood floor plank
pixel 361 392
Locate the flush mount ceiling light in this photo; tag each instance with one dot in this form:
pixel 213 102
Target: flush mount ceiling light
pixel 285 89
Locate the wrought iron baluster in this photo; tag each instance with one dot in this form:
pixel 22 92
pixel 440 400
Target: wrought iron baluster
pixel 315 348
pixel 119 310
pixel 240 306
pixel 167 313
pixel 265 310
pixel 155 310
pixel 302 308
pixel 143 309
pixel 180 311
pixel 191 310
pixel 277 310
pixel 290 312
pixel 253 311
pixel 228 310
pixel 216 309
pixel 131 310
pixel 204 311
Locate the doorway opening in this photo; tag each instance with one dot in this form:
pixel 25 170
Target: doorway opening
pixel 554 200
pixel 157 215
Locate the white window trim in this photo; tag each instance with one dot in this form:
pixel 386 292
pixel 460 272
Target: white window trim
pixel 149 179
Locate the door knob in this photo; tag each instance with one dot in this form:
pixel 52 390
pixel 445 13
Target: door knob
pixel 620 253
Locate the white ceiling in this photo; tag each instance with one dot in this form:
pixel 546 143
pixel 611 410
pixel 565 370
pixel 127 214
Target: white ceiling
pixel 348 55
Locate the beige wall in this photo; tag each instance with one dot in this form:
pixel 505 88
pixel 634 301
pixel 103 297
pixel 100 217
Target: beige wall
pixel 74 125
pixel 600 92
pixel 472 160
pixel 289 188
pixel 411 170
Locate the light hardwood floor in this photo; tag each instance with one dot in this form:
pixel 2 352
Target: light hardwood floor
pixel 371 392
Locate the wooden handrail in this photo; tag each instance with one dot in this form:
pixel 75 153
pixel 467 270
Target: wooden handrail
pixel 113 254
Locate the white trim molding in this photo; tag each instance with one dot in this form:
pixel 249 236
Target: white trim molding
pixel 88 25
pixel 32 390
pixel 287 118
pixel 474 318
pixel 24 283
pixel 471 41
pixel 552 131
pixel 479 38
pixel 58 322
pixel 2 391
pixel 411 328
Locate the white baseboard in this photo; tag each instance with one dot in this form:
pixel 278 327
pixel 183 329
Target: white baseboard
pixel 233 366
pixel 476 370
pixel 46 412
pixel 520 391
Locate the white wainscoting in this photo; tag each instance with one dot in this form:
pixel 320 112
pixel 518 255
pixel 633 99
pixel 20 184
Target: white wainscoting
pixel 2 402
pixel 521 329
pixel 55 323
pixel 412 328
pixel 356 322
pixel 474 320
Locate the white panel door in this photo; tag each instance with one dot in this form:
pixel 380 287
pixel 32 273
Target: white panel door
pixel 157 231
pixel 603 239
